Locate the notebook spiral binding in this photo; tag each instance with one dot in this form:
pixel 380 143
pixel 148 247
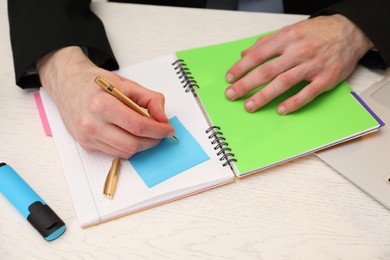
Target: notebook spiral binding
pixel 215 135
pixel 220 145
pixel 185 76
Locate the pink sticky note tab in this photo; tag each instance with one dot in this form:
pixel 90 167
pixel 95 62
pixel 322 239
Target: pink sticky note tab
pixel 42 114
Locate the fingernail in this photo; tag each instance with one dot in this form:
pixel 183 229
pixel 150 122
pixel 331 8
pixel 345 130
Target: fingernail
pixel 171 134
pixel 282 110
pixel 230 93
pixel 229 77
pixel 250 105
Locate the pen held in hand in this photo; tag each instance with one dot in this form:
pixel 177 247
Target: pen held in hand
pixel 124 99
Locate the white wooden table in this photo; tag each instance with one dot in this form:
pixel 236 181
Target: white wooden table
pixel 300 210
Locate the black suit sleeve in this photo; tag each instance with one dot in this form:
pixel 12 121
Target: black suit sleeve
pixel 38 27
pixel 373 18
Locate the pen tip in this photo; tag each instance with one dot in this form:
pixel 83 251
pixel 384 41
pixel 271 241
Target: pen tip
pixel 175 138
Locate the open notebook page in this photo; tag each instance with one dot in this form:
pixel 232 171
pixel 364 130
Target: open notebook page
pixel 85 171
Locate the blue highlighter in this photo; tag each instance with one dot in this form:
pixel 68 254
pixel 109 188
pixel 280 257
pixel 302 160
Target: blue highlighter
pixel 29 204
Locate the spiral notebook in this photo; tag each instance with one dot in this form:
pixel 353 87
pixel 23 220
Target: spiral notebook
pixel 236 143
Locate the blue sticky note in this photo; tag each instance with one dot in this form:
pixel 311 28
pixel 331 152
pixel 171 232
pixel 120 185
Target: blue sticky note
pixel 169 158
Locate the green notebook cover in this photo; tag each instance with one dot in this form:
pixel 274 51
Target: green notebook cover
pixel 265 138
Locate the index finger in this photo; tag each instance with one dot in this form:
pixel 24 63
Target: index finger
pixel 126 118
pixel 151 100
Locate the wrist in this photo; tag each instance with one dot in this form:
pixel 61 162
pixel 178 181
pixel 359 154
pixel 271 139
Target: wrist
pixel 57 68
pixel 58 63
pixel 354 35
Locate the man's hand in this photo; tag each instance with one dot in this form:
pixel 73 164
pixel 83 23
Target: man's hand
pixel 322 50
pixel 97 120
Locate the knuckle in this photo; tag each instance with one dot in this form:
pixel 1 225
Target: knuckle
pixel 335 71
pixel 160 96
pixel 261 98
pixel 85 125
pixel 241 88
pixel 255 58
pixel 295 31
pixel 283 81
pixel 263 39
pixel 265 72
pixel 312 91
pixel 295 102
pixel 137 128
pixel 96 105
pixel 85 142
pixel 310 46
pixel 131 150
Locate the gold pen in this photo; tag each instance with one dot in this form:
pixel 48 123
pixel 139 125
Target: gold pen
pixel 124 99
pixel 111 179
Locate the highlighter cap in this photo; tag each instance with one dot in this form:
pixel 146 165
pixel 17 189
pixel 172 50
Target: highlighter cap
pixel 30 204
pixel 45 220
